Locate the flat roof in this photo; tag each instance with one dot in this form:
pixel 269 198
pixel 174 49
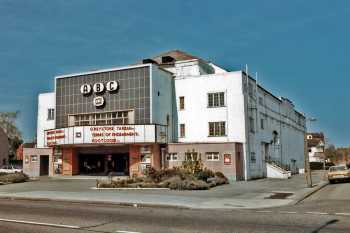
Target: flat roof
pixel 102 70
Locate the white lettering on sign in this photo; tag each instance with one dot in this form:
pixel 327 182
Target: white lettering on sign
pixel 112 86
pixel 85 89
pixel 99 87
pixel 54 136
pixel 99 101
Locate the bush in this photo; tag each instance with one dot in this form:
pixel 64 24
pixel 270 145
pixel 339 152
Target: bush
pixel 163 174
pixel 205 174
pixel 13 178
pixel 194 185
pixel 193 165
pixel 173 178
pixel 220 174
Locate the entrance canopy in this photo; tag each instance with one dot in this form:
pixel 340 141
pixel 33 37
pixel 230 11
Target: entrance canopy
pixel 108 134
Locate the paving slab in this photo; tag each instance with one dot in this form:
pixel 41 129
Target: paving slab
pixel 250 194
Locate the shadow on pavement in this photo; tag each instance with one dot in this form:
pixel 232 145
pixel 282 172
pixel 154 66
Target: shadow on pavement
pixel 325 225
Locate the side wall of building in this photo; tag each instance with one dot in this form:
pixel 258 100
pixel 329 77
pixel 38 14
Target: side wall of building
pixel 196 114
pixel 46 101
pixel 162 99
pixel 31 160
pixel 276 132
pixel 230 168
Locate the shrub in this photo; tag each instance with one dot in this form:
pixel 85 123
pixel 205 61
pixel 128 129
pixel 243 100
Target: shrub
pixel 194 185
pixel 220 174
pixel 163 174
pixel 174 182
pixel 14 178
pixel 205 174
pixel 193 164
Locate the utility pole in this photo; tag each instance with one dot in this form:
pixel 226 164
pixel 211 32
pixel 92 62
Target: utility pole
pixel 307 169
pixel 306 156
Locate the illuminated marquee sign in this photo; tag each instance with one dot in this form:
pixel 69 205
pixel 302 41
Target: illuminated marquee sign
pixel 110 134
pixel 99 88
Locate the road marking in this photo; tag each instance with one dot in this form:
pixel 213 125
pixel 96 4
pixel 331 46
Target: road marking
pixel 288 212
pixel 264 211
pixel 128 232
pixel 39 223
pixel 344 214
pixel 318 213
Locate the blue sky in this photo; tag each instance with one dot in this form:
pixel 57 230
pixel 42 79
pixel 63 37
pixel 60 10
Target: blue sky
pixel 299 48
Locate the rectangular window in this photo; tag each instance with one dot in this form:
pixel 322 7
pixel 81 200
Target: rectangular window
pixel 251 124
pixel 34 158
pixel 217 128
pixel 172 157
pixel 182 130
pixel 252 157
pixel 261 101
pixel 216 99
pixel 50 114
pixel 182 102
pixel 191 156
pixel 212 156
pixel 262 126
pixel 109 118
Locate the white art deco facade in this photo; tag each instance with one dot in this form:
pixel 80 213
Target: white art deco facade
pixel 163 111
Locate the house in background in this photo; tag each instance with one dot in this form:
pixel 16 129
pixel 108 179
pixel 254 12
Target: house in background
pixel 21 148
pixel 316 147
pixel 4 147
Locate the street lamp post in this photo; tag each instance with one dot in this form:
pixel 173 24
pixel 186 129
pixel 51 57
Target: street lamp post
pixel 306 157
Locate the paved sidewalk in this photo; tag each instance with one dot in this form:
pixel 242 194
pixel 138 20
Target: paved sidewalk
pixel 251 194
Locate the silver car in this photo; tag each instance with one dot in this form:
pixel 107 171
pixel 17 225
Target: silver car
pixel 9 169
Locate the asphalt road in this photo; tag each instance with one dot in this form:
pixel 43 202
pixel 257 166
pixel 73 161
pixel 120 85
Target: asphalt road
pixel 326 211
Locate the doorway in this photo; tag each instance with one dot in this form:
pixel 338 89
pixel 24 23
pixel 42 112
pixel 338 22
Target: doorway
pixel 239 162
pixel 118 164
pixel 264 157
pixel 44 165
pixel 103 165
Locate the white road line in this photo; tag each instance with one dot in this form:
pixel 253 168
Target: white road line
pixel 39 223
pixel 263 211
pixel 318 213
pixel 288 212
pixel 128 232
pixel 344 214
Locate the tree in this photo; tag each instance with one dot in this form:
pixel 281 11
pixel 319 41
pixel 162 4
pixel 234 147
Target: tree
pixel 8 124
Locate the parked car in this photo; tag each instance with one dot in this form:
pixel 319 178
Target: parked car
pixel 9 169
pixel 337 173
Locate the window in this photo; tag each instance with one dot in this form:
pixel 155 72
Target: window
pixel 217 128
pixel 262 126
pixel 251 124
pixel 182 130
pixel 261 101
pixel 250 89
pixel 182 102
pixel 109 118
pixel 216 99
pixel 50 114
pixel 191 156
pixel 213 156
pixel 34 158
pixel 252 157
pixel 172 157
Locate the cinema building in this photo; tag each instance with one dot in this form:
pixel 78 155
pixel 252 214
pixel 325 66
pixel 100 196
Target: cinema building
pixel 160 112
